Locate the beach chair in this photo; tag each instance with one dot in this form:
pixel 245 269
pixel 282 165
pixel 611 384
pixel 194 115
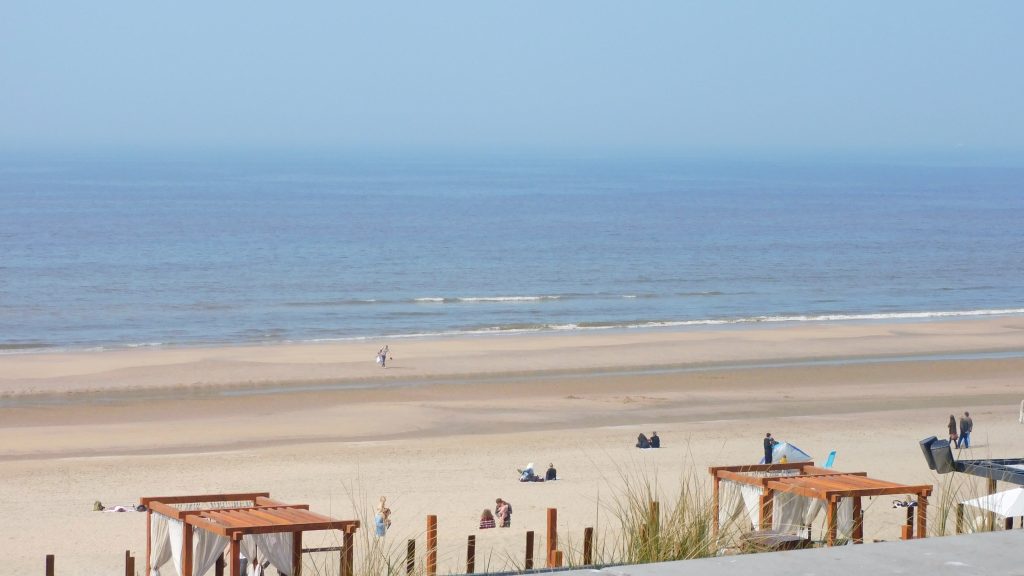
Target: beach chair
pixel 831 459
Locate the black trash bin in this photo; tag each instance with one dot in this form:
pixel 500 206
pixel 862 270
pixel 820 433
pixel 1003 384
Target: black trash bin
pixel 926 448
pixel 942 454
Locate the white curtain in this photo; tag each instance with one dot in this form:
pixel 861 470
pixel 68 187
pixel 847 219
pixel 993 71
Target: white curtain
pixel 278 548
pixel 735 498
pixel 160 543
pixel 789 511
pixel 206 547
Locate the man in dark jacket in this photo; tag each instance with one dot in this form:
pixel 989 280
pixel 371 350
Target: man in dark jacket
pixel 966 426
pixel 769 445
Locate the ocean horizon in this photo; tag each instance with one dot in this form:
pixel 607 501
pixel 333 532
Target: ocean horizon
pixel 107 255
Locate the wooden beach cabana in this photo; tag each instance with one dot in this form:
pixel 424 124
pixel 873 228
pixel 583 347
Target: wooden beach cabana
pixel 195 531
pixel 825 486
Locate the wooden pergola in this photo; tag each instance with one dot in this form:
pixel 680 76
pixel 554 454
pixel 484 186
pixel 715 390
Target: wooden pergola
pixel 262 515
pixel 806 479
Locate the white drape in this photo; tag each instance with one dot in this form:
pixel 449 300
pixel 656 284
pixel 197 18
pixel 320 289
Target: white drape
pixel 278 549
pixel 160 543
pixel 735 498
pixel 789 511
pixel 206 547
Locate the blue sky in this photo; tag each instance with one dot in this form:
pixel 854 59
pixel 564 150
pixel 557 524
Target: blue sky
pixel 867 78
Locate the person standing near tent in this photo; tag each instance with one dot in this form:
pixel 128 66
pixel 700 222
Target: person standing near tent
pixel 966 427
pixel 769 445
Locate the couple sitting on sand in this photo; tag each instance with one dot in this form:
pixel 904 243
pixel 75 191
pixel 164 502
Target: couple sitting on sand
pixel 645 442
pixel 527 474
pixel 503 512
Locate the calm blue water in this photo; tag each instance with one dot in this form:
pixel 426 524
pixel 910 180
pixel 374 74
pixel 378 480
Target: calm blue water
pixel 108 254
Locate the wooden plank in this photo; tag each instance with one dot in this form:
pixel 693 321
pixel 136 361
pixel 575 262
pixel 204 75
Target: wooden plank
pixel 50 563
pixel 410 557
pixel 252 496
pixel 588 546
pixel 471 554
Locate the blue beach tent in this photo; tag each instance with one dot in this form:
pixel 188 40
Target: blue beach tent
pixel 792 454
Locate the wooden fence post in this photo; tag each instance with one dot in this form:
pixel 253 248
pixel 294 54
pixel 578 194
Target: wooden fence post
pixel 588 546
pixel 129 563
pixel 432 545
pixel 654 526
pixel 552 542
pixel 49 564
pixel 410 556
pixel 529 550
pixel 959 518
pixel 471 554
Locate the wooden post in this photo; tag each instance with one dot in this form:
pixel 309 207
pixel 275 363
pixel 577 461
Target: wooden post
pixel 959 518
pixel 830 522
pixel 990 517
pixel 906 532
pixel 296 554
pixel 588 546
pixel 149 539
pixel 767 503
pixel 1008 523
pixel 49 565
pixel 186 550
pixel 910 518
pixel 552 542
pixel 234 555
pixel 556 558
pixel 529 550
pixel 922 516
pixel 471 554
pixel 715 504
pixel 410 557
pixel 129 563
pixel 653 520
pixel 346 553
pixel 858 521
pixel 432 545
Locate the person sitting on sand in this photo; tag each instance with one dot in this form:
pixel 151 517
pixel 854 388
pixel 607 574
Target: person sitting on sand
pixel 503 510
pixel 527 474
pixel 642 441
pixel 551 474
pixel 655 441
pixel 486 519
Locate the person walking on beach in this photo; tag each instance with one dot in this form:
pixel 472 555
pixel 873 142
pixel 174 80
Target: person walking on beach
pixel 503 510
pixel 382 357
pixel 769 445
pixel 952 430
pixel 966 427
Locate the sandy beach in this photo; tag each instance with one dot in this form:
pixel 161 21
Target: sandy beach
pixel 444 427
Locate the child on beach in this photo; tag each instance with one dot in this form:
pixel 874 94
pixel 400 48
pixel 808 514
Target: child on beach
pixel 486 519
pixel 382 519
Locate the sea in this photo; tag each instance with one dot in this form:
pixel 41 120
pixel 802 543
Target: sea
pixel 100 253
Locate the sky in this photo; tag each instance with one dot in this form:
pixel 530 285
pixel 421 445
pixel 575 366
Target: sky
pixel 938 78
